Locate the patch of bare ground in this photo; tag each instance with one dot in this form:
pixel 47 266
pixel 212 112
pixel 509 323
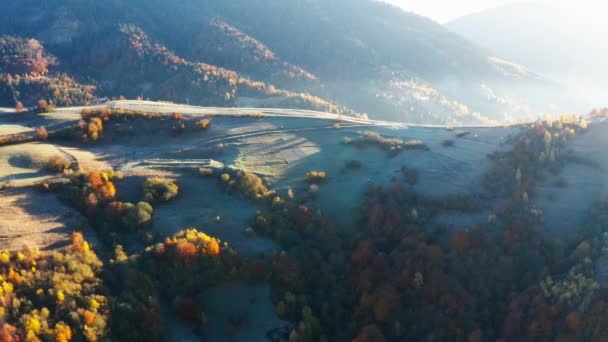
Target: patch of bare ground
pixel 38 220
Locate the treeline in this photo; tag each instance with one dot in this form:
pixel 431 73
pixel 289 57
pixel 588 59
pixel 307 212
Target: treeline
pixel 25 77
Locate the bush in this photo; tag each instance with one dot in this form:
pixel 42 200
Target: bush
pixel 42 106
pixel 86 113
pixel 58 164
pixel 91 124
pixel 42 133
pixel 159 190
pixel 316 176
pixel 88 192
pixel 248 184
pixel 393 145
pixel 415 145
pixel 100 183
pixel 224 177
pixel 177 117
pixel 203 124
pixel 206 172
pixel 137 216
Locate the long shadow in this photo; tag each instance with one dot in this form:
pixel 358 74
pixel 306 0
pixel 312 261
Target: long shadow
pixel 21 176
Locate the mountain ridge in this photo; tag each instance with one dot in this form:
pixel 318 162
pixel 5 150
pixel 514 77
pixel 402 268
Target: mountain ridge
pixel 348 60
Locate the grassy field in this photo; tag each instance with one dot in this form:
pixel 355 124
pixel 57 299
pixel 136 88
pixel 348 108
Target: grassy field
pixel 280 147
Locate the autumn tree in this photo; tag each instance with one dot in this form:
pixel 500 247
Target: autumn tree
pixel 86 113
pixel 58 164
pixel 94 179
pixel 203 124
pixel 159 190
pixel 42 133
pixel 43 105
pixel 107 191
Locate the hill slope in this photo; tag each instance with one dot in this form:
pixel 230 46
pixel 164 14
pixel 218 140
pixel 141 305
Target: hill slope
pixel 353 232
pixel 360 54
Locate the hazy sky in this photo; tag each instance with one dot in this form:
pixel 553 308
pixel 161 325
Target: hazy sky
pixel 445 10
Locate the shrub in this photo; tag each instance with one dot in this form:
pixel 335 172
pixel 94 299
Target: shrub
pixel 115 210
pixel 100 184
pixel 159 190
pixel 137 216
pixel 203 124
pixel 86 113
pixel 177 117
pixel 41 133
pixel 393 145
pixel 185 249
pixel 316 176
pixel 94 179
pixel 58 163
pixel 224 177
pixel 248 184
pixel 42 106
pixel 91 124
pixel 206 172
pixel 104 113
pixel 107 191
pixel 415 145
pixel 94 128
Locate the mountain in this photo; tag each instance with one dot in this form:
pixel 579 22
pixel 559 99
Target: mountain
pixel 561 41
pixel 342 56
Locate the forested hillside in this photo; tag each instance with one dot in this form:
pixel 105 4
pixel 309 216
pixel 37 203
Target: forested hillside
pixel 363 55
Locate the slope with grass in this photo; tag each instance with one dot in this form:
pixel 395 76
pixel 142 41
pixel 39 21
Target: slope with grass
pixel 282 203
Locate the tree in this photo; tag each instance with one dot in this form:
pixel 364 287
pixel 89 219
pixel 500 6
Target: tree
pixel 107 191
pixel 159 190
pixel 42 106
pixel 86 113
pixel 94 179
pixel 186 249
pixel 203 124
pixel 58 164
pixel 42 133
pixel 136 216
